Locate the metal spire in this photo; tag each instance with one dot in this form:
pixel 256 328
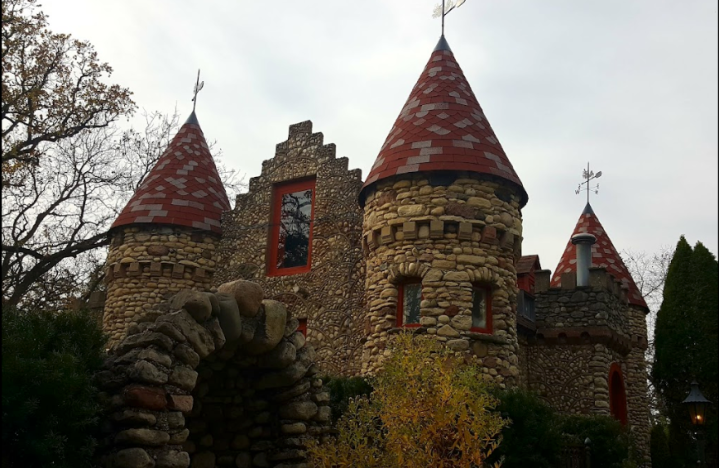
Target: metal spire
pixel 198 86
pixel 443 9
pixel 588 177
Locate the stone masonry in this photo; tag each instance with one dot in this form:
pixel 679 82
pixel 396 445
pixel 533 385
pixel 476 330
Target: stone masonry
pixel 221 379
pixel 330 295
pixel 465 231
pixel 148 264
pixel 581 333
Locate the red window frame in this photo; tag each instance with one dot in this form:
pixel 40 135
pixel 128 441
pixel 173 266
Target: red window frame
pixel 302 328
pixel 400 304
pixel 277 192
pixel 488 303
pixel 617 394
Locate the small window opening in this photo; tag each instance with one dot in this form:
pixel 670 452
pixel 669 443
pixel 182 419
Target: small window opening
pixel 408 304
pixel 481 310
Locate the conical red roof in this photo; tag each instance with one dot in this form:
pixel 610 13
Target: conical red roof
pixel 442 128
pixel 183 189
pixel 604 255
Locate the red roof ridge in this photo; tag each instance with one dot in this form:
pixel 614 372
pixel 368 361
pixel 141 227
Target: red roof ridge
pixel 526 263
pixel 604 255
pixel 183 189
pixel 442 128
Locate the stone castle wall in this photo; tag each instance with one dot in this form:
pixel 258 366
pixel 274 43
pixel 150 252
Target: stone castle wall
pixel 330 295
pixel 148 264
pixel 636 379
pixel 573 379
pixel 581 332
pixel 450 235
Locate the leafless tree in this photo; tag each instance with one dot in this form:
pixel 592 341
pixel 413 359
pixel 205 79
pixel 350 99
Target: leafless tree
pixel 649 271
pixel 55 215
pixel 53 87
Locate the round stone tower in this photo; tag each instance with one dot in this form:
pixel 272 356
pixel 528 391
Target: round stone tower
pixel 442 227
pixel 165 238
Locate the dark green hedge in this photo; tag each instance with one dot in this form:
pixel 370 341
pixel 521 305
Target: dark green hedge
pixel 49 403
pixel 342 389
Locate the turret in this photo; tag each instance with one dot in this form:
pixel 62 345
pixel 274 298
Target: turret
pixel 164 239
pixel 442 226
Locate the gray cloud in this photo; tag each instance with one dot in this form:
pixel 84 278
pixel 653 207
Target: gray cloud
pixel 629 86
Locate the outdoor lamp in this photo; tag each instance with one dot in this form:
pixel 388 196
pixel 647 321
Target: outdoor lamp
pixel 697 403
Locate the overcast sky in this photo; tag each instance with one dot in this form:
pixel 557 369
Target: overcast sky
pixel 628 85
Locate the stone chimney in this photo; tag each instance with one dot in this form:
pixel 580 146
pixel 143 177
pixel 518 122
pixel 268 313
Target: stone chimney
pixel 584 243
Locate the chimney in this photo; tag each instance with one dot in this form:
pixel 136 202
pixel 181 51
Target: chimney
pixel 584 243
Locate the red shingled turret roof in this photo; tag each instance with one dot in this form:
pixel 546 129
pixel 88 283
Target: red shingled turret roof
pixel 442 128
pixel 604 255
pixel 183 189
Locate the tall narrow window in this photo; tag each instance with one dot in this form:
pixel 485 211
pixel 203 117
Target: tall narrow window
pixel 291 240
pixel 617 394
pixel 481 310
pixel 408 302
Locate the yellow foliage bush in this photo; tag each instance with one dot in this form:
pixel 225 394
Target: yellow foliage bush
pixel 428 410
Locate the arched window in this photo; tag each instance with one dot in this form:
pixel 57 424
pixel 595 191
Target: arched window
pixel 409 298
pixel 617 394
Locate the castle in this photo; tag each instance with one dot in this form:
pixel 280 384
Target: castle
pixel 430 241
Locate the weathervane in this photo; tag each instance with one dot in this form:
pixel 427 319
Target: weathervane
pixel 588 176
pixel 443 9
pixel 198 86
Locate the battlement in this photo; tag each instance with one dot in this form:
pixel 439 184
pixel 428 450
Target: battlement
pixel 599 280
pixel 597 313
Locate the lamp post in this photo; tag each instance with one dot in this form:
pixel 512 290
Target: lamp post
pixel 697 403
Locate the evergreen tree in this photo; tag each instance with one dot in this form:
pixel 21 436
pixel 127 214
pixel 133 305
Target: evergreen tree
pixel 685 340
pixel 705 364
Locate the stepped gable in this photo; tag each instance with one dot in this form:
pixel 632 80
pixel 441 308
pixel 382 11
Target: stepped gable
pixel 183 189
pixel 442 128
pixel 604 255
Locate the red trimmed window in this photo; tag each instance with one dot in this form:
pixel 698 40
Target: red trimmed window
pixel 481 309
pixel 292 219
pixel 617 394
pixel 303 326
pixel 408 303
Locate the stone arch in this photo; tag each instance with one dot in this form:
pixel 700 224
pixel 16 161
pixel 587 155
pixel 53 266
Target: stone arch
pixel 217 379
pixel 617 394
pixel 402 271
pixel 486 276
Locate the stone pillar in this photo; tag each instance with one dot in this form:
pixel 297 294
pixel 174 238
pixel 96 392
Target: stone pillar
pixel 636 380
pixel 451 237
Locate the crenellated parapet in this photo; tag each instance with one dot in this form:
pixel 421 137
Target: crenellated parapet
pixel 597 313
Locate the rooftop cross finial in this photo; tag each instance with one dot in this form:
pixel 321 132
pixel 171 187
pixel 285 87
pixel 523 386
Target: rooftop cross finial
pixel 588 177
pixel 443 9
pixel 198 86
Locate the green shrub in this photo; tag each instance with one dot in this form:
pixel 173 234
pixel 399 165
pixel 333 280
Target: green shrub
pixel 659 448
pixel 610 441
pixel 342 389
pixel 49 404
pixel 533 437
